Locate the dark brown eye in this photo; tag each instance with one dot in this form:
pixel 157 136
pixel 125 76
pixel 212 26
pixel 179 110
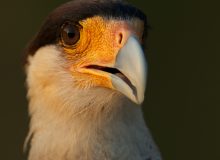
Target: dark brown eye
pixel 70 34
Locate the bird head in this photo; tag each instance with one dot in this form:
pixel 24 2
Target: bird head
pixel 87 52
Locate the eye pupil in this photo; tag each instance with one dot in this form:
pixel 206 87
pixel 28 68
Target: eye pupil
pixel 70 34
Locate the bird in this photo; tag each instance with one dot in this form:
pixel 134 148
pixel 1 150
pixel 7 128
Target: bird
pixel 86 76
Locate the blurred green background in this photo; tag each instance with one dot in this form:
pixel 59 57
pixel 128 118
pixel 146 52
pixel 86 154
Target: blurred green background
pixel 182 101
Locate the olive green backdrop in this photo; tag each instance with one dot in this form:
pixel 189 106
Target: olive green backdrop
pixel 182 99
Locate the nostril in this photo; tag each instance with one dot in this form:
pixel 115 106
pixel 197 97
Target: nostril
pixel 120 38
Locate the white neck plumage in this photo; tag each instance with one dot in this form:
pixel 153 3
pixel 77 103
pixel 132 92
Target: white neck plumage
pixel 67 124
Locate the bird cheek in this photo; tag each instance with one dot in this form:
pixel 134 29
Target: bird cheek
pixel 85 79
pixel 104 81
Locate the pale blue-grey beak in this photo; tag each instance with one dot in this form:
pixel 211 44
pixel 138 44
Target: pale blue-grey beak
pixel 131 62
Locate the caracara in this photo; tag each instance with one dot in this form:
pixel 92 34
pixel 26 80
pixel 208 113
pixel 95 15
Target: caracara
pixel 86 77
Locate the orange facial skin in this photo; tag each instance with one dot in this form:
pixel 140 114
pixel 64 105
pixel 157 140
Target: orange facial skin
pixel 99 43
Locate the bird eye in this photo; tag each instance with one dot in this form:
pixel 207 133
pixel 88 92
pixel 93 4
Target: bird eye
pixel 70 34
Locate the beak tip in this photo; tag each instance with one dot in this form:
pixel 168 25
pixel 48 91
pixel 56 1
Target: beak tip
pixel 140 99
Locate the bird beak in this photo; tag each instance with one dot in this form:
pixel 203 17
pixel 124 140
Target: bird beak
pixel 130 61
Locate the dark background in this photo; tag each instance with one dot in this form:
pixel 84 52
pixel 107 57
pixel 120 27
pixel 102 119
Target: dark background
pixel 182 100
